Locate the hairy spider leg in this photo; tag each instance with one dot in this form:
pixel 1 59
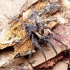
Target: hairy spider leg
pixel 35 17
pixel 38 46
pixel 48 37
pixel 32 47
pixel 16 19
pixel 47 41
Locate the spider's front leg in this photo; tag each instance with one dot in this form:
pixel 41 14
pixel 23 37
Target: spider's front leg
pixel 45 39
pixel 36 41
pixel 32 47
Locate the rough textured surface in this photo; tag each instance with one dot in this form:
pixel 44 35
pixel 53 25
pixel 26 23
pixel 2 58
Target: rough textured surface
pixel 62 32
pixel 11 8
pixel 7 7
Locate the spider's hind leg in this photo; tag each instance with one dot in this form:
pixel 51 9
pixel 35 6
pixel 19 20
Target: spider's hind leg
pixel 48 37
pixel 36 41
pixel 47 41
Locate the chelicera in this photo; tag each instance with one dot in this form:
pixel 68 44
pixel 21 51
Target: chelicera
pixel 31 30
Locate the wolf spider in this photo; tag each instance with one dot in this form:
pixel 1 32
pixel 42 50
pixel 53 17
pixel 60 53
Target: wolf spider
pixel 31 30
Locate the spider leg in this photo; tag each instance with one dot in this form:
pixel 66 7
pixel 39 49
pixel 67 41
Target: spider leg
pixel 16 19
pixel 36 41
pixel 32 44
pixel 51 45
pixel 48 37
pixel 39 47
pixel 32 47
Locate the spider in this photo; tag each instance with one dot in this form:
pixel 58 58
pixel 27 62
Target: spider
pixel 31 30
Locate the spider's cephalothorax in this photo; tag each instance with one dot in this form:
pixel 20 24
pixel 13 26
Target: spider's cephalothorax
pixel 30 28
